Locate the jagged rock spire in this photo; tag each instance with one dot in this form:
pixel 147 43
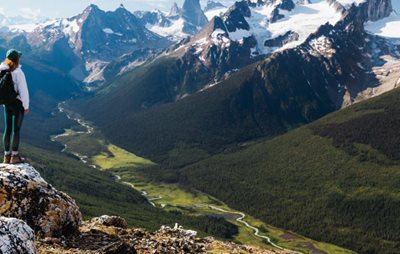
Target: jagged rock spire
pixel 175 11
pixel 193 13
pixel 378 9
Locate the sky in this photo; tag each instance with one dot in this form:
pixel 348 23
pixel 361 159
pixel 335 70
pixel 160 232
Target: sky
pixel 69 8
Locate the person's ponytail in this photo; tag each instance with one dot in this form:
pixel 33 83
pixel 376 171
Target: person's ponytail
pixel 13 64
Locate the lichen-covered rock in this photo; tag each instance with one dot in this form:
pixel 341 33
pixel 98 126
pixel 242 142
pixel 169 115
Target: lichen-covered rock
pixel 16 237
pixel 25 195
pixel 112 221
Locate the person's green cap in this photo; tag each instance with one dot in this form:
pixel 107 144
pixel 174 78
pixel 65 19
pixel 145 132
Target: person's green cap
pixel 13 54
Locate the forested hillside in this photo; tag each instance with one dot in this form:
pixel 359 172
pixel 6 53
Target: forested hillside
pixel 335 180
pixel 139 112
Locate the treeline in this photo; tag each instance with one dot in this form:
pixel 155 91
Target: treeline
pixel 299 200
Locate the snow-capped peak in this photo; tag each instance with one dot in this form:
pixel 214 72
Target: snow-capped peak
pixel 19 23
pixel 212 5
pixel 97 34
pixel 348 3
pixel 175 11
pixel 268 23
pixel 179 23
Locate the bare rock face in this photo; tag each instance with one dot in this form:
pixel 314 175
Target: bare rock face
pixel 282 40
pixel 16 237
pixel 287 5
pixel 175 11
pixel 378 9
pixel 25 195
pixel 193 13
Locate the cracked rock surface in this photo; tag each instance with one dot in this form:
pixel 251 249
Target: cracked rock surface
pixel 16 237
pixel 25 195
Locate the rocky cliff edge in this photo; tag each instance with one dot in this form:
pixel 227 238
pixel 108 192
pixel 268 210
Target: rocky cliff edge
pixel 37 218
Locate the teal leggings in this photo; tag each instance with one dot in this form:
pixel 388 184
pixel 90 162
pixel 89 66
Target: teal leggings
pixel 13 117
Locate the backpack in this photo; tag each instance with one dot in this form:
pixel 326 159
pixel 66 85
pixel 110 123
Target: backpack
pixel 7 92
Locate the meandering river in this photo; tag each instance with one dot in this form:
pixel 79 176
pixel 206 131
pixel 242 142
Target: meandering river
pixel 88 129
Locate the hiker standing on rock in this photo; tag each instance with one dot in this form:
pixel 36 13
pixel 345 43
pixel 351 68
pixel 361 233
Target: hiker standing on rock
pixel 15 97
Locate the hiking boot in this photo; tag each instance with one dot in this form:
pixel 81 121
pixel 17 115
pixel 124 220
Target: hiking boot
pixel 7 159
pixel 16 159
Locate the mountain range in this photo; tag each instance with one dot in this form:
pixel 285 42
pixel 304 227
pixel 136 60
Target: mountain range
pixel 180 22
pixel 203 101
pixel 273 93
pixel 17 23
pixel 252 103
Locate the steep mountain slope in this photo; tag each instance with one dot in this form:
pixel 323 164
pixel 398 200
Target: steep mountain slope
pixel 97 34
pixel 287 89
pixel 191 11
pixel 335 180
pixel 249 31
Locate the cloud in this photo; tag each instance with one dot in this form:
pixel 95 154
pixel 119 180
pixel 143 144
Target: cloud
pixel 30 13
pixel 161 4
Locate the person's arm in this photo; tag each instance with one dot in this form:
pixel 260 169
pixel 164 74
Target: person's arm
pixel 23 91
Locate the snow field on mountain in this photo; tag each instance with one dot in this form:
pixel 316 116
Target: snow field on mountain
pixel 110 31
pixel 215 12
pixel 348 3
pixel 175 30
pixel 303 19
pixel 28 28
pixel 388 27
pixel 70 27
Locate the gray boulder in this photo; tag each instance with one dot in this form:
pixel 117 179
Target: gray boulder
pixel 16 237
pixel 25 195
